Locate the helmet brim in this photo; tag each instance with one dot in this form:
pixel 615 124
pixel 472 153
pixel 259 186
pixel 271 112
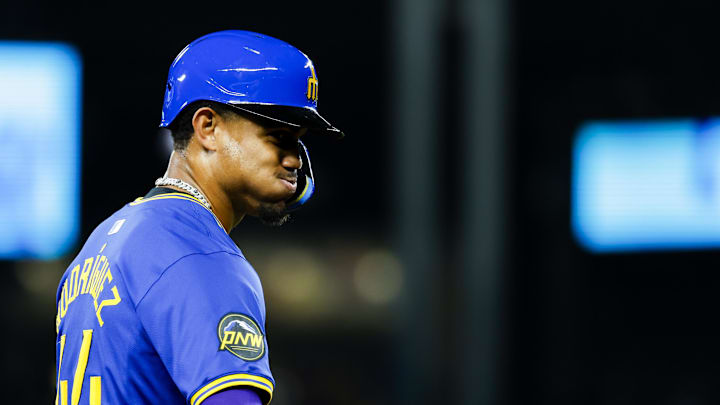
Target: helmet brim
pixel 299 117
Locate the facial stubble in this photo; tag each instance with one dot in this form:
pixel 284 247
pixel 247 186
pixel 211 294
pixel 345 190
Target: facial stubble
pixel 272 214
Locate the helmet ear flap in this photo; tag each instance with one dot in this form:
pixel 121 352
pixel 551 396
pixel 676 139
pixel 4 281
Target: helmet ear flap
pixel 305 182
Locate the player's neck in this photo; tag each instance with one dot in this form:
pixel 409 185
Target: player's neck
pixel 181 168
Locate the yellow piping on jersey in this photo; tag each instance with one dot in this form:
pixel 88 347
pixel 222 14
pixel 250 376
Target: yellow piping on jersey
pixel 180 196
pixel 227 381
pixel 176 196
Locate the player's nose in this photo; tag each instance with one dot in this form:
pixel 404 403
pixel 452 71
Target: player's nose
pixel 292 161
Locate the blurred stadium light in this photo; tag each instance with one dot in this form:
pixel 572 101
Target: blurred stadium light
pixel 378 277
pixel 314 283
pixel 647 185
pixel 40 155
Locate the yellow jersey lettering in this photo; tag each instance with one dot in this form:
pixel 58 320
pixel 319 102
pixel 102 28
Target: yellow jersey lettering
pixel 62 351
pixel 104 273
pixel 93 276
pixel 72 284
pixel 63 392
pixel 107 276
pixel 112 301
pixel 61 396
pixel 63 300
pixel 97 267
pixel 81 365
pixel 95 390
pixel 83 283
pixel 92 290
pixel 60 304
pixel 90 278
pixel 99 279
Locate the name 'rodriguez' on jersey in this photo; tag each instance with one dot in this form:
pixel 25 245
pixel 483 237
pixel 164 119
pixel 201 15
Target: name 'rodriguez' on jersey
pixel 160 306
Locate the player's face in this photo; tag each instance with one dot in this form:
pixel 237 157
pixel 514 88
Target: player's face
pixel 259 166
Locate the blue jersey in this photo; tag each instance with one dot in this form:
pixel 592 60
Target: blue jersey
pixel 160 307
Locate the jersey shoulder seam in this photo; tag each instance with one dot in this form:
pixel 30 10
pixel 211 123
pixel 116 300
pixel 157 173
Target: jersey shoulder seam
pixel 162 273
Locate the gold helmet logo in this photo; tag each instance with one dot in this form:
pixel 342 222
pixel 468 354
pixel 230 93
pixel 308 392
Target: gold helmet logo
pixel 312 88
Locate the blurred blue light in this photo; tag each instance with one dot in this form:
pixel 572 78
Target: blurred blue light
pixel 40 112
pixel 647 185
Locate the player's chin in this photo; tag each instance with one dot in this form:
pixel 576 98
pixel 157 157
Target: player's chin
pixel 272 213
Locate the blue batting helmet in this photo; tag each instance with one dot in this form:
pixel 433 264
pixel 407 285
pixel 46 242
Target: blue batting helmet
pixel 255 73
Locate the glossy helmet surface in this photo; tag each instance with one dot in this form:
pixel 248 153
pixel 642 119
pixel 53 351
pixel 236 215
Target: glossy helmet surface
pixel 250 71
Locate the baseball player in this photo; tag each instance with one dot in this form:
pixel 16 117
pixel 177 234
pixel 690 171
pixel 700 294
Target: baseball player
pixel 160 306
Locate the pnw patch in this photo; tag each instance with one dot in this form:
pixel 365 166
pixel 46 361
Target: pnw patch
pixel 241 336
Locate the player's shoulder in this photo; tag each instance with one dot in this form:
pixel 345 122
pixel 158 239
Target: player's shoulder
pixel 150 235
pixel 172 225
pixel 211 272
pixel 175 217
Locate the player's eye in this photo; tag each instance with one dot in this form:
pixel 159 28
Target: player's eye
pixel 284 139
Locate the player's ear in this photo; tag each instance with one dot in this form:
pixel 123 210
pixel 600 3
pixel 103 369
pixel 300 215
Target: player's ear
pixel 205 122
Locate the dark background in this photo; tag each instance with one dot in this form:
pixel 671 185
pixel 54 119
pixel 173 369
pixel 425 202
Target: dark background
pixel 572 327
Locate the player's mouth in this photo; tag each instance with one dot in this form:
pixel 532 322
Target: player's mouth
pixel 290 183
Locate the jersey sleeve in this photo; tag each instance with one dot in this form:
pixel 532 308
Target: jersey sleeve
pixel 234 396
pixel 205 316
